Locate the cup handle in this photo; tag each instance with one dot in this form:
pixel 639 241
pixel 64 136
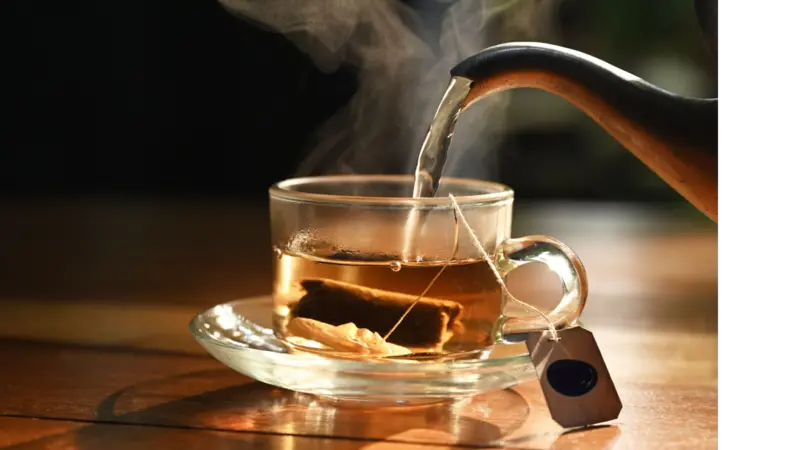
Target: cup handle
pixel 559 258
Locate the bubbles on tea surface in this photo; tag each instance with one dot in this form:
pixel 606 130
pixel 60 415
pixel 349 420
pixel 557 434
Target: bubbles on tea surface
pixel 396 266
pixel 304 242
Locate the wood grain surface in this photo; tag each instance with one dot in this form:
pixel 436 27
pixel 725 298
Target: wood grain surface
pixel 194 392
pixel 95 300
pixel 69 435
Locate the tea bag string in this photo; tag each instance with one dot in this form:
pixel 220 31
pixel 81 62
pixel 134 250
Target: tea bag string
pixel 430 285
pixel 496 272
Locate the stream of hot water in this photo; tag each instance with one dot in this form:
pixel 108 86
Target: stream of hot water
pixel 432 157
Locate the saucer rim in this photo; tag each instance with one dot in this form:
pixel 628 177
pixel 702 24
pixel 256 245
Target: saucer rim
pixel 343 365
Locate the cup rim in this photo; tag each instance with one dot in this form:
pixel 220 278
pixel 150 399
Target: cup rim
pixel 495 192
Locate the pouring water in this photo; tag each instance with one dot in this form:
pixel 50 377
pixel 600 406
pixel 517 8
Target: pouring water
pixel 432 157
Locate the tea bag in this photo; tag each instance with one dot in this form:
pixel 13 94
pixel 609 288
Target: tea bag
pixel 430 324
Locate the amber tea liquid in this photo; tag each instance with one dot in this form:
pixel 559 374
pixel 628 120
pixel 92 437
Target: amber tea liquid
pixel 470 284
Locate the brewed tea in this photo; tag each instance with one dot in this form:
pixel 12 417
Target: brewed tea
pixel 372 292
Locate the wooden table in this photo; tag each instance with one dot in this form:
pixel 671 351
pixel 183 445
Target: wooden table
pixel 95 298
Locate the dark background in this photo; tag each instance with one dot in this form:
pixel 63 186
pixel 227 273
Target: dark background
pixel 146 98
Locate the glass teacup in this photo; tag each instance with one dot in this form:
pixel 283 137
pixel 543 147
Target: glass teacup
pixel 345 282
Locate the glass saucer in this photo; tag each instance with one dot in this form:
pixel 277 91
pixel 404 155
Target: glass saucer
pixel 239 334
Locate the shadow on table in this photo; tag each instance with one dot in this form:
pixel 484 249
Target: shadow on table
pixel 249 413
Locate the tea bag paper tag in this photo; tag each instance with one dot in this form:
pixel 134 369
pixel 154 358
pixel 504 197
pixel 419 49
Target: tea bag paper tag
pixel 575 380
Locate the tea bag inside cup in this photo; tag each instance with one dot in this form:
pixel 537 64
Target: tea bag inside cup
pixel 360 317
pixel 359 301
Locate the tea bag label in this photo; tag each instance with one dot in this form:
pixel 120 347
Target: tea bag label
pixel 575 380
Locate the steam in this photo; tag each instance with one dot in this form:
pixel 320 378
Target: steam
pixel 404 58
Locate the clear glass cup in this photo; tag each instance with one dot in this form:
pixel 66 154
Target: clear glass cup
pixel 343 255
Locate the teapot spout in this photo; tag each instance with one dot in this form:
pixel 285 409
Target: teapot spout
pixel 675 136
